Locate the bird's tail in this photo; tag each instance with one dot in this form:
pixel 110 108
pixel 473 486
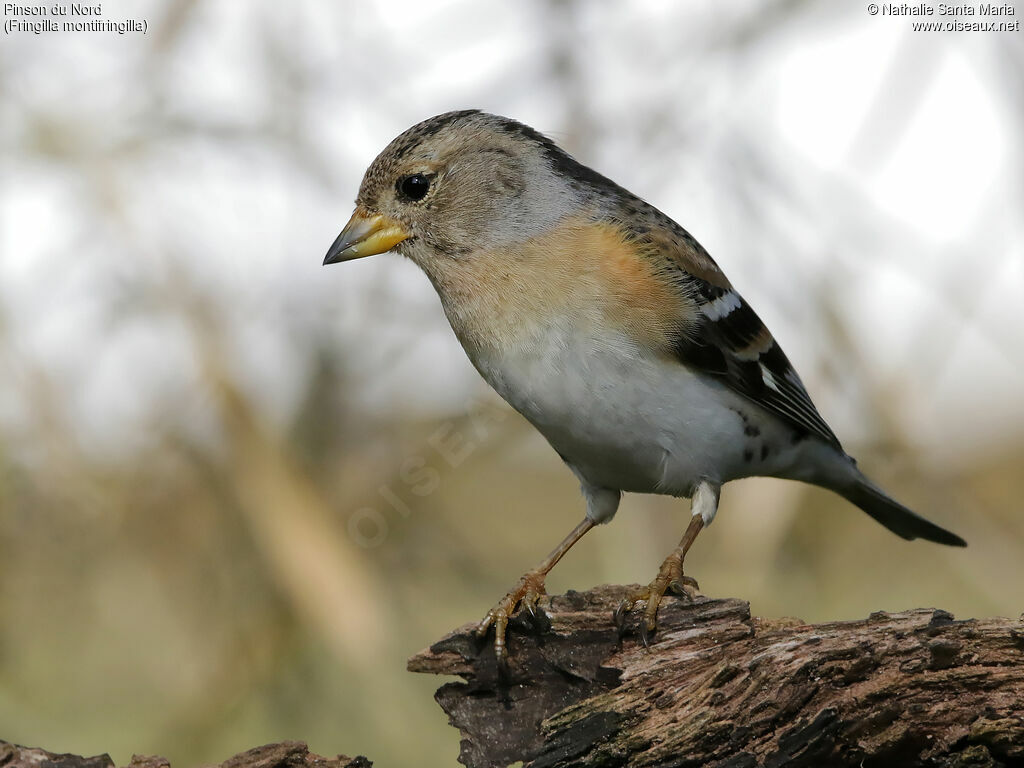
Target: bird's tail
pixel 895 516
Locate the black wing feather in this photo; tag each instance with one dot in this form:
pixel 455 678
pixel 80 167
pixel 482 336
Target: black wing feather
pixel 733 345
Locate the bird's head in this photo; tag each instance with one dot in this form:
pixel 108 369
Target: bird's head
pixel 459 183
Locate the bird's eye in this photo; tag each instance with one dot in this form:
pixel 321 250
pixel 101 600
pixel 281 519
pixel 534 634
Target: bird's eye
pixel 414 187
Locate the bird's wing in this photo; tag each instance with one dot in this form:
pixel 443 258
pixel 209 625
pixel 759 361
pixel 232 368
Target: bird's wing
pixel 731 343
pixel 727 340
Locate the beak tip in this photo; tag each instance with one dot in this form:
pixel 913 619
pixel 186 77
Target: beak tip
pixel 364 235
pixel 341 243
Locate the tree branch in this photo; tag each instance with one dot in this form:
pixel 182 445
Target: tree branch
pixel 718 688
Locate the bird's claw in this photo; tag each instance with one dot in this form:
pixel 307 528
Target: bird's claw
pixel 670 577
pixel 529 604
pixel 685 587
pixel 524 595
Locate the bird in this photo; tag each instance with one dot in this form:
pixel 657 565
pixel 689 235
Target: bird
pixel 608 327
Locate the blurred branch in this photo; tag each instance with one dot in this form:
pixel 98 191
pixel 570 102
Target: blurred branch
pixel 290 520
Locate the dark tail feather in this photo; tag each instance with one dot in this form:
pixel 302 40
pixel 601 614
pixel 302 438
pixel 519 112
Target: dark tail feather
pixel 896 517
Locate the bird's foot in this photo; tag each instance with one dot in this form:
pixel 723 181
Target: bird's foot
pixel 524 595
pixel 670 577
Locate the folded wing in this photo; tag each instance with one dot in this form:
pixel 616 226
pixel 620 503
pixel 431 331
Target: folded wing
pixel 730 342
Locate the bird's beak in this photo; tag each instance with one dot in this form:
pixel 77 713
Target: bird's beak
pixel 364 235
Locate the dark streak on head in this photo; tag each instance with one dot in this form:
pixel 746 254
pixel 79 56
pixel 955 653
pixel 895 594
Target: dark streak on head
pixel 429 127
pixel 564 163
pixel 582 178
pixel 381 170
pixel 635 210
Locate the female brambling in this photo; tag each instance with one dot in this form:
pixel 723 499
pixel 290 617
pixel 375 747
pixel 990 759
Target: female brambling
pixel 607 326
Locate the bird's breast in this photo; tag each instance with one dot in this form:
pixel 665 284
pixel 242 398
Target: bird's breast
pixel 585 275
pixel 622 418
pixel 574 329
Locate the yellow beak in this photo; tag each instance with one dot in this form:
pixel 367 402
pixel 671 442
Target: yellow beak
pixel 365 235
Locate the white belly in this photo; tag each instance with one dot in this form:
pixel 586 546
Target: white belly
pixel 629 422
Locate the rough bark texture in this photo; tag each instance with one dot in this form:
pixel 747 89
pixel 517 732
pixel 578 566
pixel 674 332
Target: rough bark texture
pixel 288 754
pixel 718 688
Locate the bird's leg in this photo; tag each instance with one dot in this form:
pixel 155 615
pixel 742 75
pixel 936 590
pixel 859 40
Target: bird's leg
pixel 670 575
pixel 526 592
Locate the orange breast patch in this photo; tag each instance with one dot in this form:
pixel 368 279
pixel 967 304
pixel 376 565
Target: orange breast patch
pixel 584 273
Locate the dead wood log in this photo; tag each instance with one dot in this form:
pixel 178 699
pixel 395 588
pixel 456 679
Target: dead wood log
pixel 287 754
pixel 719 688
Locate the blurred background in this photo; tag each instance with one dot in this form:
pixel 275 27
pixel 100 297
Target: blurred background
pixel 239 489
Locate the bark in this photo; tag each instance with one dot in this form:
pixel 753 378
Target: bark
pixel 719 688
pixel 288 754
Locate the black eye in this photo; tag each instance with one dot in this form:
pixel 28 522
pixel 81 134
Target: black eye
pixel 414 187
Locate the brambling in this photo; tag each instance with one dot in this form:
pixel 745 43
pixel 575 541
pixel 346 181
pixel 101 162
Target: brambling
pixel 607 326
